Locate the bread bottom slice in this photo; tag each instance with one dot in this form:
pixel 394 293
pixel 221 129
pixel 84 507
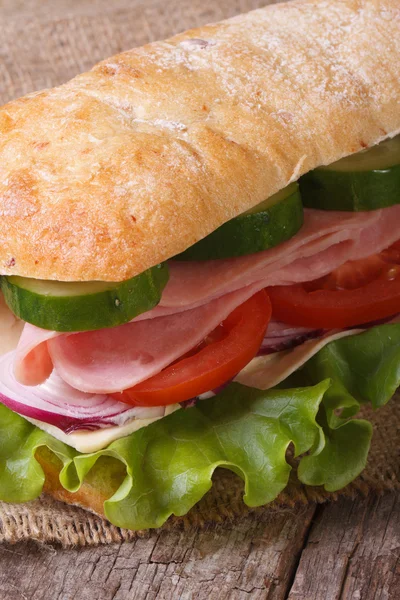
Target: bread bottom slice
pixel 100 484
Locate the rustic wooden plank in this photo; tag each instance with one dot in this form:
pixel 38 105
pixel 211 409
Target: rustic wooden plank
pixel 253 558
pixel 352 552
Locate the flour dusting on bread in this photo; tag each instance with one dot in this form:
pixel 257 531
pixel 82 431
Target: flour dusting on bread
pixel 193 131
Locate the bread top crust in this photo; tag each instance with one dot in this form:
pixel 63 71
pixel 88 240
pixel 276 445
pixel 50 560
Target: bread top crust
pixel 129 164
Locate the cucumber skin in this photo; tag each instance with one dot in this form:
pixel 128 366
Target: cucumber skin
pixel 237 237
pixel 351 191
pixel 88 312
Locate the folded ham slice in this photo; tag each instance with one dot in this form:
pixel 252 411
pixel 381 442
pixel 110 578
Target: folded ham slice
pixel 326 240
pixel 197 298
pixel 115 359
pixel 32 363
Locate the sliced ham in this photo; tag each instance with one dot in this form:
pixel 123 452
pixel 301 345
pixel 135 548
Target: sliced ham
pixel 112 360
pixel 32 363
pixel 326 240
pixel 198 297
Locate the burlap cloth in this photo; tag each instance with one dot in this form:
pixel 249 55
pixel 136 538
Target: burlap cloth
pixel 46 49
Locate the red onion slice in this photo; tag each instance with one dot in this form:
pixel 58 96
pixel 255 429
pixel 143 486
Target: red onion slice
pixel 287 342
pixel 57 403
pixel 277 329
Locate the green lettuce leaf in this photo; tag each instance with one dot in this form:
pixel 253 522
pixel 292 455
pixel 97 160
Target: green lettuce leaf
pixel 363 368
pixel 167 467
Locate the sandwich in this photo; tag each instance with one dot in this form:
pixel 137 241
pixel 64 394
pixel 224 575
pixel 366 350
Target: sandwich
pixel 200 263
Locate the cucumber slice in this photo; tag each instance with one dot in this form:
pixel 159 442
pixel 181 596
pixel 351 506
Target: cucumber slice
pixel 275 220
pixel 83 306
pixel 367 180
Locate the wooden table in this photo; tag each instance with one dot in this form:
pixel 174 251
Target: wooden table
pixel 344 550
pixel 348 549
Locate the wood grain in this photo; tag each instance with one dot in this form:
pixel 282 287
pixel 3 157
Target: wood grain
pixel 353 551
pixel 347 550
pixel 254 559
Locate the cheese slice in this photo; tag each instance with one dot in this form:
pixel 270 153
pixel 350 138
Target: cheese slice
pixel 264 372
pixel 91 441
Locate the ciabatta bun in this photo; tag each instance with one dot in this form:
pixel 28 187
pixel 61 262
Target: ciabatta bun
pixel 132 162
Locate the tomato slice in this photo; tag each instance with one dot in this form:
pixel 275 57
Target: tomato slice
pixel 358 292
pixel 219 358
